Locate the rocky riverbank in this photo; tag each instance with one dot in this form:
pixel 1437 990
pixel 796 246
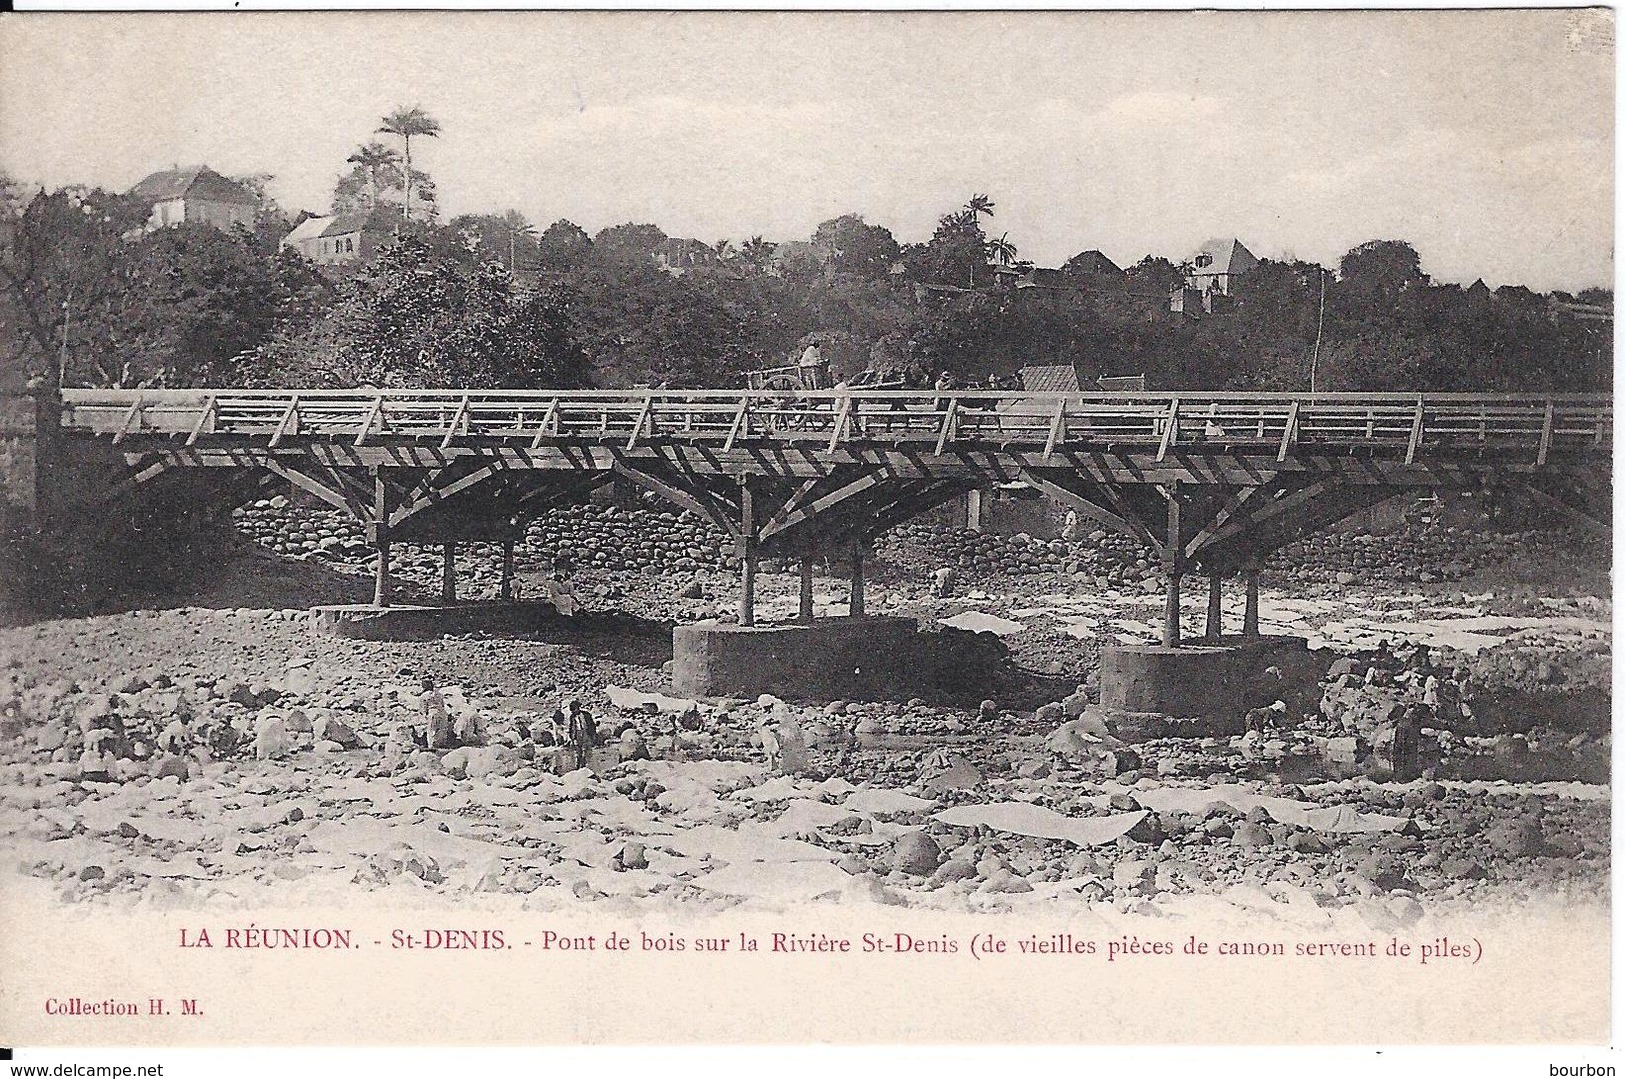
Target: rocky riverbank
pixel 224 756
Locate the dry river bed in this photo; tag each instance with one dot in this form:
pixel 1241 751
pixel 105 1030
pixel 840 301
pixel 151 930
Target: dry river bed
pixel 908 803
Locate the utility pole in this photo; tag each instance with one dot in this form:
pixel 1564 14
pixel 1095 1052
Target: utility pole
pixel 1320 328
pixel 62 362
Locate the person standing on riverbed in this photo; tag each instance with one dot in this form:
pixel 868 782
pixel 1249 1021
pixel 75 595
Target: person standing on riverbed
pixel 559 592
pixel 1406 748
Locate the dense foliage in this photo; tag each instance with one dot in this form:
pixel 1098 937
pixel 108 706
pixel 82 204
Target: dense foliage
pixel 492 300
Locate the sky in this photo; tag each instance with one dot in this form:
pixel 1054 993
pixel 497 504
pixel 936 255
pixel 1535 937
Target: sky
pixel 1483 138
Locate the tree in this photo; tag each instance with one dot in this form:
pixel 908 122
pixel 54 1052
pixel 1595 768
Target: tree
pixel 854 246
pixel 407 124
pixel 1155 273
pixel 628 242
pixel 198 301
pixel 977 205
pixel 1373 275
pixel 756 254
pixel 507 238
pixel 417 318
pixel 62 285
pixel 1002 249
pixel 376 160
pixel 564 246
pixel 956 253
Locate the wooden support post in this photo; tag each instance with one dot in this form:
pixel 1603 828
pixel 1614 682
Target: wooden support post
pixel 1170 613
pixel 1249 620
pixel 973 509
pixel 1172 563
pixel 505 590
pixel 1215 609
pixel 448 573
pixel 380 518
pixel 806 612
pixel 747 554
pixel 855 608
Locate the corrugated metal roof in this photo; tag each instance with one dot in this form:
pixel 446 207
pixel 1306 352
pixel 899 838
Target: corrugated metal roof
pixel 308 229
pixel 1058 378
pixel 314 228
pixel 343 224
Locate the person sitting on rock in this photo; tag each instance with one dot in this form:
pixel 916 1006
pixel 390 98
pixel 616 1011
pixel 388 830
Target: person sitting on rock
pixel 436 720
pixel 633 747
pixel 1430 693
pixel 1463 692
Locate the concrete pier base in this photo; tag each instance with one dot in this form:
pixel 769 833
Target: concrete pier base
pixel 870 658
pixel 835 657
pixel 1209 680
pixel 367 622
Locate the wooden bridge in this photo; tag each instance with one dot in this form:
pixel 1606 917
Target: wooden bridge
pixel 1211 483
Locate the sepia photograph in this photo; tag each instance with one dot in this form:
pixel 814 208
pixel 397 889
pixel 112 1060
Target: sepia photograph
pixel 758 527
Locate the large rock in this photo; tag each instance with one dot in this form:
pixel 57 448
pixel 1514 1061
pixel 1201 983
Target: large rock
pixel 270 738
pixel 487 762
pixel 332 729
pixel 1135 877
pixel 915 853
pixel 1516 838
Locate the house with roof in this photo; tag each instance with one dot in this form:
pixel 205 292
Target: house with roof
pixel 195 194
pixel 677 256
pixel 1217 265
pixel 1092 263
pixel 1212 275
pixel 336 239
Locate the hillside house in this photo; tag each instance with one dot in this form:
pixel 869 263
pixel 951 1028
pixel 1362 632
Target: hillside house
pixel 196 194
pixel 1211 277
pixel 336 239
pixel 677 256
pixel 1217 265
pixel 1092 263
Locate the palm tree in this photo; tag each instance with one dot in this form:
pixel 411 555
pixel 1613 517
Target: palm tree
pixel 724 250
pixel 1002 250
pixel 978 205
pixel 757 253
pixel 370 158
pixel 405 123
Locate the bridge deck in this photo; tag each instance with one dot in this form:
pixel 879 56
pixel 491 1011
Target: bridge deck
pixel 1208 481
pixel 1402 426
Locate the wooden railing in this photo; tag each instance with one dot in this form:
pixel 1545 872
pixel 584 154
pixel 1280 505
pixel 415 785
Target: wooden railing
pixel 1390 424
